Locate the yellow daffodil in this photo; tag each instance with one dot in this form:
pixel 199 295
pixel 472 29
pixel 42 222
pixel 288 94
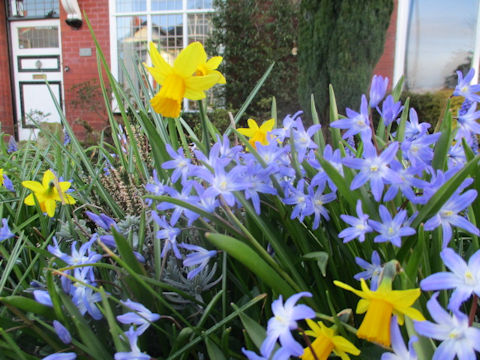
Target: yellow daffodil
pixel 179 81
pixel 327 341
pixel 257 134
pixel 210 67
pixel 48 192
pixel 380 305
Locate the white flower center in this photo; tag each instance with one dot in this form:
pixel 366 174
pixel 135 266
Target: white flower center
pixel 469 278
pixel 223 185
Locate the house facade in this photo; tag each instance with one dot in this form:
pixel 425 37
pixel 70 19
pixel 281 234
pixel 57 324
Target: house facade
pixel 49 40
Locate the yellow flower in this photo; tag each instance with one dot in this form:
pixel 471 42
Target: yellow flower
pixel 380 305
pixel 210 67
pixel 48 192
pixel 327 341
pixel 257 134
pixel 180 81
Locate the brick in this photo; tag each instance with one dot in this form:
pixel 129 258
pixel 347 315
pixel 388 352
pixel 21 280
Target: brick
pixel 385 65
pixel 83 69
pixel 6 100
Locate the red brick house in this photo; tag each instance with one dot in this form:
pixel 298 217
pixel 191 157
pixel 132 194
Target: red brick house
pixel 426 41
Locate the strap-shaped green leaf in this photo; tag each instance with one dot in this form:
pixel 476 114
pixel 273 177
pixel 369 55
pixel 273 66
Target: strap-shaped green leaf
pixel 251 260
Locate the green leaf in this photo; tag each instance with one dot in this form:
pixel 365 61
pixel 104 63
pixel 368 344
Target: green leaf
pixel 274 112
pixel 318 136
pixel 252 261
pixel 27 305
pixel 403 121
pixel 217 326
pixel 436 202
pixel 336 137
pixel 115 330
pixel 93 345
pixel 126 253
pixel 416 255
pixel 256 331
pixel 209 308
pixel 445 191
pixel 340 182
pixel 442 146
pixel 13 345
pixel 322 259
pixel 213 350
pixel 397 90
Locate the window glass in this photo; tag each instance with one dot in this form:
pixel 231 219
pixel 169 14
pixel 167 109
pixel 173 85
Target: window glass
pixel 34 8
pixel 441 40
pixel 36 37
pixel 199 27
pixel 199 4
pixel 128 6
pixel 131 44
pixel 167 5
pixel 167 32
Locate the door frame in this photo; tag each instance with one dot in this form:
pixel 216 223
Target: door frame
pixel 19 72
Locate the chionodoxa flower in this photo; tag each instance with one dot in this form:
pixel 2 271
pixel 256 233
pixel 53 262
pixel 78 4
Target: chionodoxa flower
pixel 48 192
pixel 189 77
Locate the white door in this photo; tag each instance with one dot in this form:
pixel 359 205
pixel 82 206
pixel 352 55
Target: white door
pixel 37 58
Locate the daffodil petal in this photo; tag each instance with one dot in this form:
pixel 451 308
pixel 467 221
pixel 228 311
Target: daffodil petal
pixel 196 85
pixel 214 62
pixel 35 186
pixel 314 326
pixel 50 207
pixel 362 306
pixel 413 314
pixel 29 200
pixel 268 125
pixel 48 177
pixel 187 61
pixel 161 68
pixel 166 107
pixel 64 185
pixel 404 297
pixel 247 132
pixel 68 199
pixel 349 288
pixel 344 345
pixel 252 124
pixel 221 79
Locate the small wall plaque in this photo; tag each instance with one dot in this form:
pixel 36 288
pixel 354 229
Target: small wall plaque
pixel 85 52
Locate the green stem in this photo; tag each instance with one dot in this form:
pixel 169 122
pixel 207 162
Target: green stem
pixel 172 131
pixel 183 139
pixel 203 119
pixel 473 310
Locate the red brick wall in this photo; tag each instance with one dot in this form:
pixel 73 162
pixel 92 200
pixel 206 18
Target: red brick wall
pixel 385 65
pixel 6 110
pixel 84 68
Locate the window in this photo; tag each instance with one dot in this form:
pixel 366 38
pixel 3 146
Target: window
pixel 171 24
pixel 34 8
pixel 441 39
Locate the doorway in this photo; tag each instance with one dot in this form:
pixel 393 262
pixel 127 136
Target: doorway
pixel 37 65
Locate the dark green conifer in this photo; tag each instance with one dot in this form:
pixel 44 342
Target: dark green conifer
pixel 340 42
